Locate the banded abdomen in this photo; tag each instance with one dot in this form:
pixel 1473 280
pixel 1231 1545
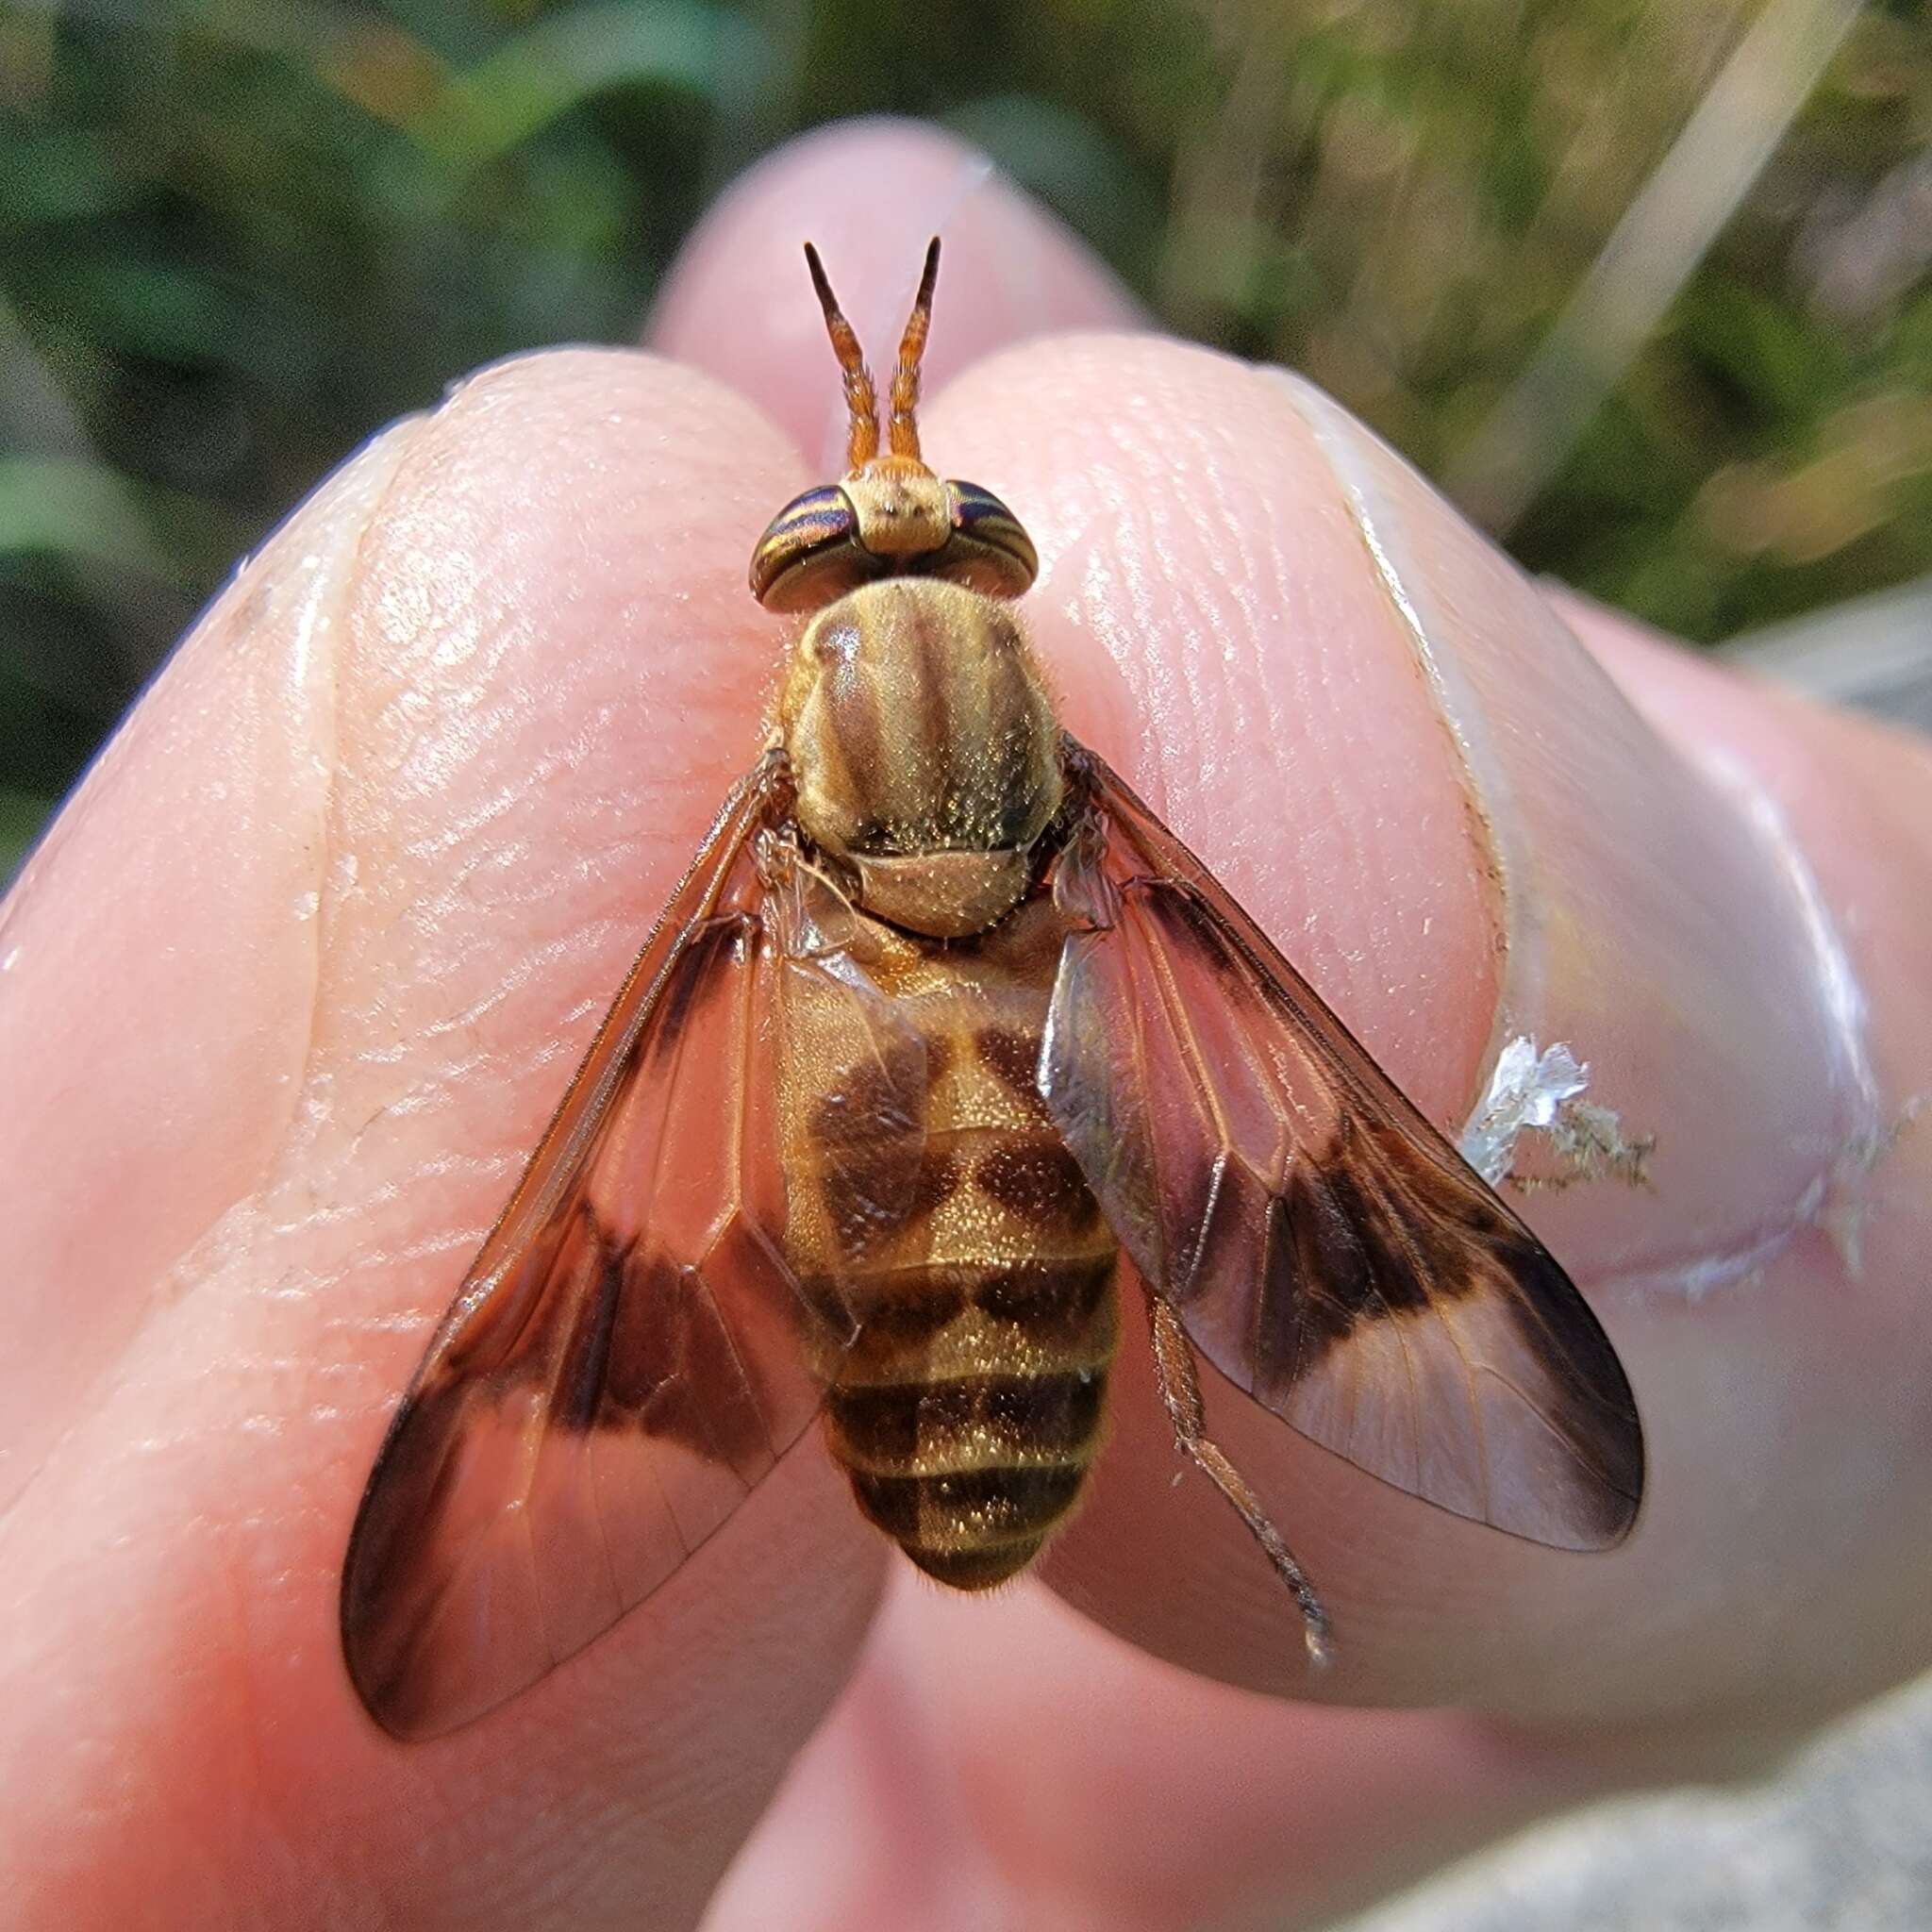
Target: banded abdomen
pixel 931 1192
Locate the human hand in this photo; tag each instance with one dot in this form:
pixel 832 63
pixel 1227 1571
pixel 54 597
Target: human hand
pixel 290 988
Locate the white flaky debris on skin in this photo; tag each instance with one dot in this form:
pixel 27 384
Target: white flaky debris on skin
pixel 1532 1092
pixel 1525 1090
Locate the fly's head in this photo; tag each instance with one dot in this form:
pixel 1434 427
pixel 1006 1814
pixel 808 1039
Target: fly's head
pixel 889 515
pixel 923 744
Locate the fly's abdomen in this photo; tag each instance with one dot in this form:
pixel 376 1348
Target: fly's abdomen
pixel 971 1410
pixel 952 1223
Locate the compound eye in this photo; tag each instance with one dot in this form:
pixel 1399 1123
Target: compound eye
pixel 989 550
pixel 811 554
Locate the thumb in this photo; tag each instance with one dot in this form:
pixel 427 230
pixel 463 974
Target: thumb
pixel 1482 843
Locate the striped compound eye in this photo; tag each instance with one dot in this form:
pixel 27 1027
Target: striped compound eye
pixel 810 555
pixel 813 552
pixel 989 550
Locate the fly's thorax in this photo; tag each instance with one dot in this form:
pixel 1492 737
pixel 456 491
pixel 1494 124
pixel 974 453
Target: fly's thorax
pixel 925 750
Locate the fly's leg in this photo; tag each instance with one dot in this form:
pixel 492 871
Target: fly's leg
pixel 1180 1390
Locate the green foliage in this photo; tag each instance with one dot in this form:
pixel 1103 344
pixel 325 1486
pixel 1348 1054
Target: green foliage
pixel 238 236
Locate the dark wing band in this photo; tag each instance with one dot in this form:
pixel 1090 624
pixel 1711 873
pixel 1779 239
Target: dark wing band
pixel 1324 1246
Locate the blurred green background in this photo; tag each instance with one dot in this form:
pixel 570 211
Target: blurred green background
pixel 1645 285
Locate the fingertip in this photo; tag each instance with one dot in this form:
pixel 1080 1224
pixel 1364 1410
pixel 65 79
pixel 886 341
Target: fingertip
pixel 868 195
pixel 1214 625
pixel 537 668
pixel 1208 614
pixel 1374 730
pixel 159 962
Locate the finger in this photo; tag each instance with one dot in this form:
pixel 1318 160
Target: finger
pixel 869 193
pixel 999 1762
pixel 399 814
pixel 1390 750
pixel 177 883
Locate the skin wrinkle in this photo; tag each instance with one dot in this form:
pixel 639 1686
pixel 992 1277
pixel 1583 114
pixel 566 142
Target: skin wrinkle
pixel 1212 605
pixel 441 1084
pixel 395 442
pixel 1218 636
pixel 1349 829
pixel 1220 631
pixel 488 396
pixel 1156 682
pixel 1278 698
pixel 317 703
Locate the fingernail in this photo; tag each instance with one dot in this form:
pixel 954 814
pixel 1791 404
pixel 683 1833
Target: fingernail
pixel 1674 1062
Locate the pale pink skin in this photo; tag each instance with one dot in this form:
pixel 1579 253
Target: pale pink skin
pixel 286 997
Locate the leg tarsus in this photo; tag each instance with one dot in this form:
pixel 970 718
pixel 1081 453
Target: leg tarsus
pixel 1180 1390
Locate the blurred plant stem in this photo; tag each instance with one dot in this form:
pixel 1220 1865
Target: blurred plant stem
pixel 1651 253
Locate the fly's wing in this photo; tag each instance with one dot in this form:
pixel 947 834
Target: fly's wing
pixel 1324 1247
pixel 631 1352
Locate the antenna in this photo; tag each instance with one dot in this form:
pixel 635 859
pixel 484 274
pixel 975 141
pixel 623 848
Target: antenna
pixel 862 442
pixel 903 427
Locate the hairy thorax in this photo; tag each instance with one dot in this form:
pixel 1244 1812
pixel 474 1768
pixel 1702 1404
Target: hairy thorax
pixel 925 750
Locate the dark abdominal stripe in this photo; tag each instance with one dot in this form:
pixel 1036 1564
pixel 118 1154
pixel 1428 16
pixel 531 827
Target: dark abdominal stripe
pixel 970 1404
